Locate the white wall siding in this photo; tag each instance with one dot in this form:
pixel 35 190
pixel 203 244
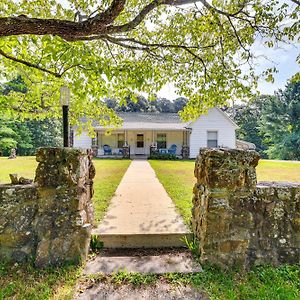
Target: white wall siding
pixel 213 121
pixel 82 140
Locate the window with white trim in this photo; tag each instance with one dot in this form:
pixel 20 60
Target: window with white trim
pixel 212 139
pixel 161 141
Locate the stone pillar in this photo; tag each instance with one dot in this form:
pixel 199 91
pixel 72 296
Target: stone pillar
pixel 225 180
pixel 65 213
pixel 18 208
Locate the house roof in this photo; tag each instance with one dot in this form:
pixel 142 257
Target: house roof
pixel 150 117
pixel 227 117
pixel 158 121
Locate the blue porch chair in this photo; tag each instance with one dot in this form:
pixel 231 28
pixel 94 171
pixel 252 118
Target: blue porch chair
pixel 107 150
pixel 172 149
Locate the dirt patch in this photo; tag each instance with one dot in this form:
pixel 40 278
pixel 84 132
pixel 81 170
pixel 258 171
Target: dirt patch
pixel 160 291
pixel 142 251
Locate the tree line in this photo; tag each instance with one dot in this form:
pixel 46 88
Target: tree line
pixel 26 135
pixel 272 123
pixel 141 104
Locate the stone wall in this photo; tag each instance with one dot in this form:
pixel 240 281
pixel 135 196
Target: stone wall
pixel 240 223
pixel 49 221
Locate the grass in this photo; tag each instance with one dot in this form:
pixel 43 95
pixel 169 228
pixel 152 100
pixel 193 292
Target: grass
pixel 263 283
pixel 178 178
pixel 25 282
pixel 268 170
pixel 260 283
pixel 23 166
pixel 109 173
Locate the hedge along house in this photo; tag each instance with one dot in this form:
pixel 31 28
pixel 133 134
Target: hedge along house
pixel 164 132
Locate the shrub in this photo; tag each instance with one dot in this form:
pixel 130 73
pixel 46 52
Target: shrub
pixel 163 156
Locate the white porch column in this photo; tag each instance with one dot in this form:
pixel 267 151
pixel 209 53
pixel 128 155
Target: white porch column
pixel 99 139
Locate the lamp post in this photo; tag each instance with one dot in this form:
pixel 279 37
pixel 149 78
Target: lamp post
pixel 64 102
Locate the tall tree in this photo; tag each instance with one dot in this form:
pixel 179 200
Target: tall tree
pixel 24 138
pixel 7 140
pixel 27 135
pixel 247 116
pixel 46 132
pixel 179 104
pixel 112 48
pixel 164 105
pixel 140 104
pixel 280 123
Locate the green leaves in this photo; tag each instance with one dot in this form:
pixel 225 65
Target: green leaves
pixel 7 139
pixel 204 51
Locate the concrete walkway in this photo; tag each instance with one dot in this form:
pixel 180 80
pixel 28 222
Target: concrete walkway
pixel 141 213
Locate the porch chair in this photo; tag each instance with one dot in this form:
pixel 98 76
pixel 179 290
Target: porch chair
pixel 107 150
pixel 172 149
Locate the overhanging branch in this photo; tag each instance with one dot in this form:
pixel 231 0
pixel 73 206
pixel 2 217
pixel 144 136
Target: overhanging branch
pixel 97 25
pixel 38 67
pixel 29 64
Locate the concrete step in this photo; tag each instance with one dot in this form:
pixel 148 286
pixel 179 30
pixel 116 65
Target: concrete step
pixel 154 261
pixel 144 240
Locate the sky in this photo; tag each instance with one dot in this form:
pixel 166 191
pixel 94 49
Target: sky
pixel 283 58
pixel 285 61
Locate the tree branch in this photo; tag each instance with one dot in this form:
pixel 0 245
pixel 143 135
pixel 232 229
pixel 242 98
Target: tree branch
pixel 144 12
pixel 66 29
pixel 221 12
pixel 296 2
pixel 29 64
pixel 152 5
pixel 239 39
pixel 107 17
pixel 100 24
pixel 157 45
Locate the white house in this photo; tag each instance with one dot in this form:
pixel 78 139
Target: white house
pixel 163 130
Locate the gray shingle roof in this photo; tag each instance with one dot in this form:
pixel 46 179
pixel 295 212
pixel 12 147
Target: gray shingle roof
pixel 148 121
pixel 150 117
pixel 152 121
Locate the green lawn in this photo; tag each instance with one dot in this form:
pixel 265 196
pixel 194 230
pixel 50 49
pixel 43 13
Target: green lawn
pixel 23 282
pixel 109 173
pixel 178 178
pixel 23 166
pixel 268 170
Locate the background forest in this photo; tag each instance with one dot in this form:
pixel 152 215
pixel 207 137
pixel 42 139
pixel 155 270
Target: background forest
pixel 272 123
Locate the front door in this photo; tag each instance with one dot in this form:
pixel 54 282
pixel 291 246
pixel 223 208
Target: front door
pixel 140 145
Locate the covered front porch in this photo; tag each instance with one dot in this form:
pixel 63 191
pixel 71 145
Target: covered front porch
pixel 141 142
